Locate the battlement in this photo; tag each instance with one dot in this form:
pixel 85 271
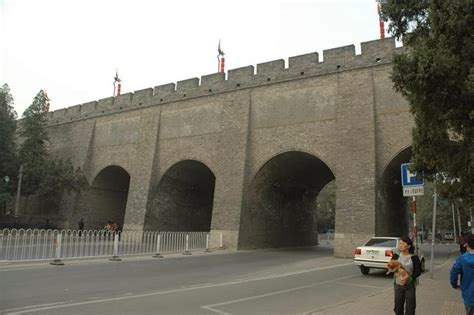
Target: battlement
pixel 335 60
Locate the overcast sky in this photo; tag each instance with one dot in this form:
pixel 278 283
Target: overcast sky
pixel 71 49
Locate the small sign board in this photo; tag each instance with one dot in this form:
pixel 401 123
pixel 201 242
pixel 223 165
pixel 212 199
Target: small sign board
pixel 408 178
pixel 412 185
pixel 413 191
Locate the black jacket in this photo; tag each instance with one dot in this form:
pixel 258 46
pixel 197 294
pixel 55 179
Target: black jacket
pixel 416 265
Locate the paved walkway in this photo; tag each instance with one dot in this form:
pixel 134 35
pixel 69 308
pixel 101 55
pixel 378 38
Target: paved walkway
pixel 434 296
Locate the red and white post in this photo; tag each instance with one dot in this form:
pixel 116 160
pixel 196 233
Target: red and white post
pixel 415 228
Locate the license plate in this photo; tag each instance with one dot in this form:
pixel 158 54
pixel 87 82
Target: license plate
pixel 372 252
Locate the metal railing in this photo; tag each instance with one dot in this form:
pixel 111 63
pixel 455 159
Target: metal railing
pixel 29 245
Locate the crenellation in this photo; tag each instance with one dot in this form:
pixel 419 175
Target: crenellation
pixel 161 92
pixel 188 85
pixel 339 54
pixel 142 98
pixel 338 59
pixel 301 61
pixel 88 108
pixel 105 104
pixel 271 67
pixel 378 49
pixel 59 113
pixel 74 112
pixel 123 101
pixel 240 75
pixel 75 109
pixel 164 89
pixel 214 81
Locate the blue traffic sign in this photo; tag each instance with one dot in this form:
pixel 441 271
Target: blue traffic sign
pixel 409 179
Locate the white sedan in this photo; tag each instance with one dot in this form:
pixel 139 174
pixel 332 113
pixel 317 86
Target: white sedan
pixel 377 252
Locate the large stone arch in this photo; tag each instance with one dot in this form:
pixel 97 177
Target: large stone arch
pixel 391 206
pixel 280 202
pixel 183 200
pixel 106 198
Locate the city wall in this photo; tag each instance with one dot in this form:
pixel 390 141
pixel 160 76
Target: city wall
pixel 342 110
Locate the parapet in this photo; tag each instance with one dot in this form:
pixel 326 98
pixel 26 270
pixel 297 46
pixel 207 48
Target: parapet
pixel 373 53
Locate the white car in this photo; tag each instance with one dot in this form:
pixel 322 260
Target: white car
pixel 377 252
pixel 448 236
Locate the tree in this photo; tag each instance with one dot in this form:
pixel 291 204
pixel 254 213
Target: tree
pixel 44 176
pixel 436 76
pixel 8 167
pixel 33 154
pixel 326 207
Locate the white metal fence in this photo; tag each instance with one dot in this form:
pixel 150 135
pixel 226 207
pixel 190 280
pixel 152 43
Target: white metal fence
pixel 24 245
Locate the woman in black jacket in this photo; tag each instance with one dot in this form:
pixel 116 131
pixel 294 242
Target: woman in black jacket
pixel 405 293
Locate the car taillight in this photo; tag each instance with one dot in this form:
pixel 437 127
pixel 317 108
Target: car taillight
pixel 358 251
pixel 388 253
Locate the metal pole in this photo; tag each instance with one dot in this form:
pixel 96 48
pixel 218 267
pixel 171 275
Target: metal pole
pixel 454 222
pixel 158 243
pixel 435 196
pixel 115 256
pixel 57 257
pixel 207 244
pixel 415 233
pixel 459 222
pixel 186 251
pixel 18 191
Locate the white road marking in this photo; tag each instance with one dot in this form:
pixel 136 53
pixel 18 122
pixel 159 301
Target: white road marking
pixel 344 302
pixel 44 307
pixel 212 309
pixel 31 306
pixel 361 285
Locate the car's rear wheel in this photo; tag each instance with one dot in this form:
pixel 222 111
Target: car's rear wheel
pixel 364 270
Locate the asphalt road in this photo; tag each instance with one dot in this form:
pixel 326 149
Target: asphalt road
pixel 293 281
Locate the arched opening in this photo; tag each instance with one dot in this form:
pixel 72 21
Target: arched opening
pixel 391 213
pixel 280 206
pixel 106 198
pixel 183 200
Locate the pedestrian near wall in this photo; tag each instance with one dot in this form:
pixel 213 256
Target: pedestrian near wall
pixel 462 275
pixel 80 225
pixel 405 293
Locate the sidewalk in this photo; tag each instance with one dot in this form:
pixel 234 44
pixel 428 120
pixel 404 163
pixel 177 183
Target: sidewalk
pixel 433 296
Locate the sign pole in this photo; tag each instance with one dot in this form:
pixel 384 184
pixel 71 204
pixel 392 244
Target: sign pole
pixel 411 187
pixel 415 231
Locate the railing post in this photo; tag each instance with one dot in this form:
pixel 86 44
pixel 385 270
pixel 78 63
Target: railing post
pixel 115 257
pixel 57 257
pixel 187 252
pixel 221 245
pixel 158 241
pixel 207 244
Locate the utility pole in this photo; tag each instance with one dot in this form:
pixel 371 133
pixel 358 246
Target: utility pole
pixel 433 233
pixel 459 221
pixel 454 221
